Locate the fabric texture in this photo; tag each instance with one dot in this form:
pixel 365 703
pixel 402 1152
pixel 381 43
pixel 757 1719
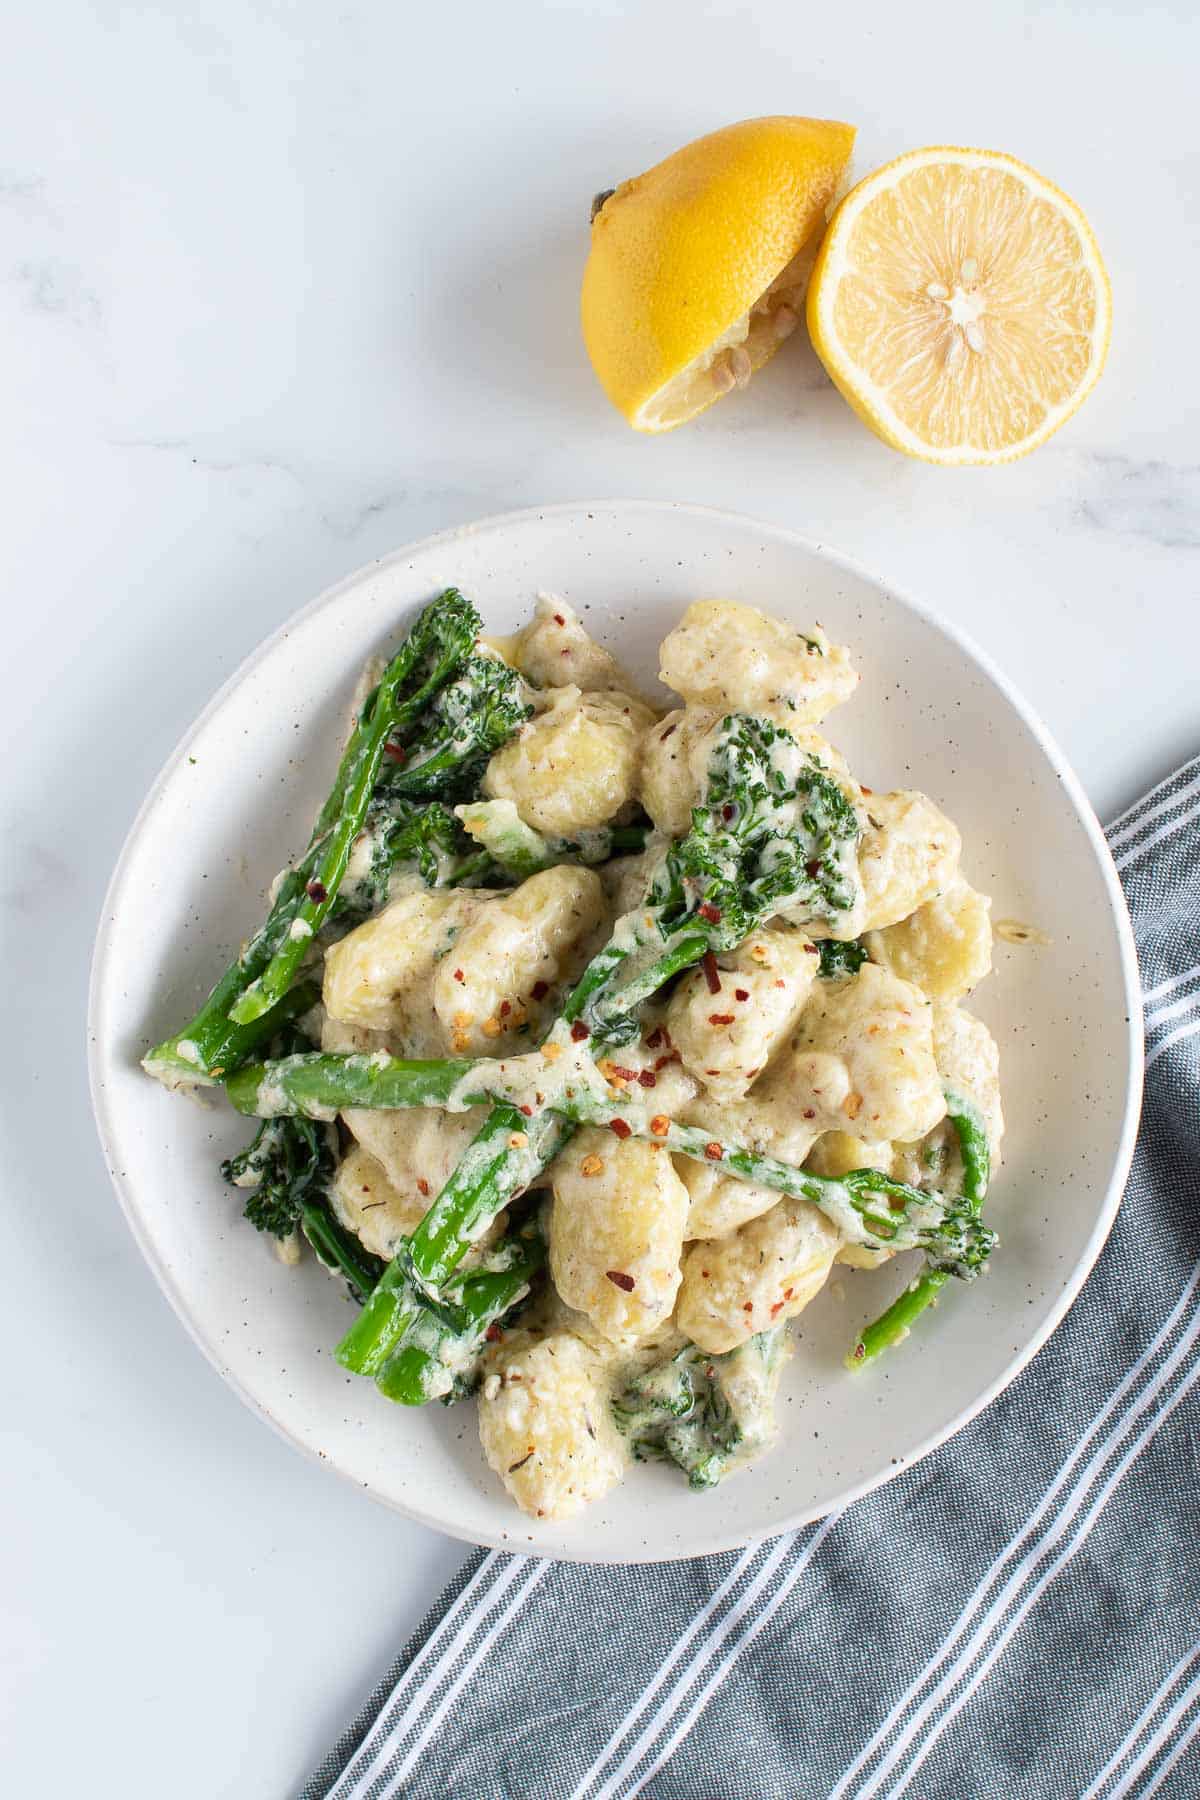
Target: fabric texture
pixel 1017 1615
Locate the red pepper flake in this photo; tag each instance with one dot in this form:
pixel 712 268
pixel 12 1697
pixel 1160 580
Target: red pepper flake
pixel 578 1031
pixel 619 1128
pixel 527 1110
pixel 778 1307
pixel 708 963
pixel 741 993
pixel 317 892
pixel 655 1039
pixel 667 733
pixel 728 811
pixel 493 1334
pixel 647 1078
pixel 660 1124
pixel 788 1292
pixel 397 752
pixel 558 619
pixel 781 983
pixel 422 1185
pixel 505 1008
pixel 748 1306
pixel 622 1074
pixel 812 868
pixel 714 1152
pixel 539 990
pixel 865 790
pixel 708 911
pixel 618 1277
pixel 811 950
pixel 458 975
pixel 720 1018
pixel 810 1112
pixel 661 1062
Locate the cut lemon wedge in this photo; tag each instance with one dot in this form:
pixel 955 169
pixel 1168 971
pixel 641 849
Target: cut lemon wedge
pixel 698 268
pixel 960 304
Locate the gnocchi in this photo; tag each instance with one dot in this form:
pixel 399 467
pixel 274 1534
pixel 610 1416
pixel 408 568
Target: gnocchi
pixel 555 651
pixel 616 1231
pixel 510 960
pixel 610 1062
pixel 546 1425
pixel 729 656
pixel 575 766
pixel 944 947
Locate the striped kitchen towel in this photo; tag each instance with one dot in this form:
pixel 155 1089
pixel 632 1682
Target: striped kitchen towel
pixel 1017 1616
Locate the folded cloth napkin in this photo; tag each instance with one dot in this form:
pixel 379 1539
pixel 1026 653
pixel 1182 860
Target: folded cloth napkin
pixel 953 1636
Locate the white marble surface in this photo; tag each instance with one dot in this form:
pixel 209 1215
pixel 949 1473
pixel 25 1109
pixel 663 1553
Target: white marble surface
pixel 281 288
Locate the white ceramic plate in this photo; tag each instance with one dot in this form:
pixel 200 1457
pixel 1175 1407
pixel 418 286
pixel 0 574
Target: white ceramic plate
pixel 236 800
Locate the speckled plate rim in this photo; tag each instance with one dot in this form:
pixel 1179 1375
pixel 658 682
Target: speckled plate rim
pixel 712 1543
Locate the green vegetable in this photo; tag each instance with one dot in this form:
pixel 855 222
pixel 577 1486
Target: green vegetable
pixel 841 956
pixel 506 1155
pixel 692 1410
pixel 771 833
pixel 499 827
pixel 287 1168
pixel 894 1324
pixel 241 1012
pixel 426 840
pixel 892 1214
pixel 443 757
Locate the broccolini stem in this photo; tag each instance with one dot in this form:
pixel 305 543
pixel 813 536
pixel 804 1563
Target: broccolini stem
pixel 384 715
pixel 238 1015
pixel 339 1249
pixel 493 1171
pixel 437 1354
pixel 890 1214
pixel 894 1324
pixel 212 1044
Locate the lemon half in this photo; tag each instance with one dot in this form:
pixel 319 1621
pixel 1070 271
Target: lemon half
pixel 960 303
pixel 698 268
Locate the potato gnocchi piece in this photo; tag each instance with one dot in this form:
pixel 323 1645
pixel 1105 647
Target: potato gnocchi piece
pixel 944 948
pixel 367 1204
pixel 545 1422
pixel 908 856
pixel 769 1123
pixel 968 1060
pixel 555 651
pixel 379 975
pixel 616 1230
pixel 417 1148
pixel 836 1153
pixel 626 878
pixel 727 1038
pixel 726 655
pixel 508 961
pixel 718 1204
pixel 651 1070
pixel 862 1060
pixel 352 1040
pixel 755 1277
pixel 674 765
pixel 574 766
